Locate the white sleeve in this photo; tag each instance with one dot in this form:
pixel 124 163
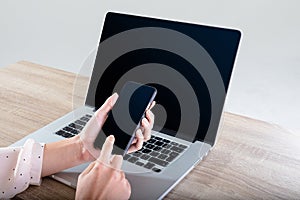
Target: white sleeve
pixel 20 167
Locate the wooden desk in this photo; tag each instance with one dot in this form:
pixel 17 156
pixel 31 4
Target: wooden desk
pixel 252 159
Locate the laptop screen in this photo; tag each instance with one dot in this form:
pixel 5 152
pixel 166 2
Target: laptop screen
pixel 190 65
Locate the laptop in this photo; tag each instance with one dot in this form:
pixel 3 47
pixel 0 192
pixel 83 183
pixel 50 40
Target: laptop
pixel 189 64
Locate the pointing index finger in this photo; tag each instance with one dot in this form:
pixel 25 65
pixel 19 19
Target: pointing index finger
pixel 107 150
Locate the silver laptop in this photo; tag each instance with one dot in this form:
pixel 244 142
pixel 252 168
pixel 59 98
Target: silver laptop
pixel 190 65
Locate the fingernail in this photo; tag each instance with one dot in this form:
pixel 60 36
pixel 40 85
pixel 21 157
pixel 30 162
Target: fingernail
pixel 114 98
pixel 153 104
pixel 145 122
pixel 111 138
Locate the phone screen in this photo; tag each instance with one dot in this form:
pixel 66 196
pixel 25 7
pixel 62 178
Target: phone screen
pixel 124 119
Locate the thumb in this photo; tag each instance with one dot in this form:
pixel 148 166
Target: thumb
pixel 103 111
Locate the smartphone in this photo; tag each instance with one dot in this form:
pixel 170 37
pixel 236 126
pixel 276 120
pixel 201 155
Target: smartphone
pixel 126 115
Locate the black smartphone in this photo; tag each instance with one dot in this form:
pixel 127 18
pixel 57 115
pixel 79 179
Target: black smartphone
pixel 125 117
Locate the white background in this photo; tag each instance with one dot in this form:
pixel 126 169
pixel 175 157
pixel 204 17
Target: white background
pixel 266 80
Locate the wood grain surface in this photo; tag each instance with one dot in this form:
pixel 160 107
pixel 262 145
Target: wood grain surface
pixel 252 159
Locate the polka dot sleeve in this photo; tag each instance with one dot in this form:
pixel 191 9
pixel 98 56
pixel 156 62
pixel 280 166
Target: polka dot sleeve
pixel 20 167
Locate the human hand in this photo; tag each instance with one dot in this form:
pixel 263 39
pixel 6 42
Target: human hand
pixel 144 132
pixel 93 127
pixel 89 133
pixel 103 179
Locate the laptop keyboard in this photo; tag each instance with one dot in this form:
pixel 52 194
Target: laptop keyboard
pixel 156 154
pixel 74 128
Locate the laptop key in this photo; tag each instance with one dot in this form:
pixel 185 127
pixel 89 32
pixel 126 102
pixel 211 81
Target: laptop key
pixel 154 153
pixel 67 135
pixel 67 129
pixel 141 149
pixel 157 138
pixel 165 151
pixel 174 154
pixel 174 143
pixel 158 161
pixel 89 116
pixel 137 154
pixel 177 149
pixel 84 119
pixel 60 132
pixel 145 143
pixel 162 156
pixel 79 128
pixel 149 165
pixel 166 141
pixel 159 143
pixel 146 151
pixel 75 132
pixel 167 146
pixel 145 157
pixel 150 146
pixel 170 158
pixel 157 148
pixel 139 163
pixel 72 125
pixel 133 159
pixel 182 146
pixel 126 157
pixel 151 141
pixel 80 122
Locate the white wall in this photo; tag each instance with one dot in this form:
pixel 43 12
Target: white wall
pixel 267 75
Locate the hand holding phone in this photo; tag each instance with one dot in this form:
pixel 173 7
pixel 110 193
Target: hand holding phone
pixel 143 134
pixel 126 115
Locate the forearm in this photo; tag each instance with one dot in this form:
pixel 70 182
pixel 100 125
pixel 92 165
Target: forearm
pixel 62 155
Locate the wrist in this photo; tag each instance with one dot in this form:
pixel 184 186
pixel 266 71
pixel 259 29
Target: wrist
pixel 83 154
